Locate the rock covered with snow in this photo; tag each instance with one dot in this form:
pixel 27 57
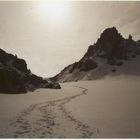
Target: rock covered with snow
pixel 110 51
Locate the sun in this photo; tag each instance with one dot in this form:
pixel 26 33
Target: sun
pixel 53 11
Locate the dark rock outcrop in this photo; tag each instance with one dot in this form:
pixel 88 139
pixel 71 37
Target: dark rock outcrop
pixel 111 49
pixel 20 64
pixel 52 84
pixel 15 77
pixel 11 82
pixel 85 65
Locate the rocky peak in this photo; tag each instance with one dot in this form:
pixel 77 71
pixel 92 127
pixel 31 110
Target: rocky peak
pixel 109 41
pixel 110 45
pixel 110 50
pixel 109 36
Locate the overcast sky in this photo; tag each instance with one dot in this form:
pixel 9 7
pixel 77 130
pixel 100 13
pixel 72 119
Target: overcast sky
pixel 49 44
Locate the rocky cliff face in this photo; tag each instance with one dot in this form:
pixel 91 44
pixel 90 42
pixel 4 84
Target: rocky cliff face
pixel 15 77
pixel 101 58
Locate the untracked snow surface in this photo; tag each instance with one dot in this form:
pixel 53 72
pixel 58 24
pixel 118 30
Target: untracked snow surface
pixel 100 108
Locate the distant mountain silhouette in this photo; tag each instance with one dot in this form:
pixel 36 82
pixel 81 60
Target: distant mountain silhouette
pixel 16 78
pixel 101 58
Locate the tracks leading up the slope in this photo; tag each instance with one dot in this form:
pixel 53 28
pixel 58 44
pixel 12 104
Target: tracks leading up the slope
pixel 51 120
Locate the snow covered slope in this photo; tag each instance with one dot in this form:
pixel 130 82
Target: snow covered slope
pixel 105 108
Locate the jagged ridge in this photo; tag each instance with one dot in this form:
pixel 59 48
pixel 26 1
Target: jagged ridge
pixel 111 49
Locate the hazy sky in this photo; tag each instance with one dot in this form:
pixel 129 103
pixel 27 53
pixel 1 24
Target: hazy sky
pixel 52 36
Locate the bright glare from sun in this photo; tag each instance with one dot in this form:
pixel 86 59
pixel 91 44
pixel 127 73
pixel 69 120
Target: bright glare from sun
pixel 53 10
